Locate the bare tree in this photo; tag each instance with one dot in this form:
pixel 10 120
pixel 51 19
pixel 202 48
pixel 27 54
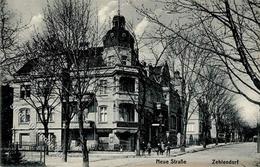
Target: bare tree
pixel 190 61
pixel 214 95
pixel 231 31
pixel 74 40
pixel 9 30
pixel 40 95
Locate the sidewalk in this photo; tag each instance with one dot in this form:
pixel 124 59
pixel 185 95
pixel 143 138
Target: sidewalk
pixel 75 159
pixel 190 149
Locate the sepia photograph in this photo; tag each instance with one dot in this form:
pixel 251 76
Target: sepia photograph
pixel 130 83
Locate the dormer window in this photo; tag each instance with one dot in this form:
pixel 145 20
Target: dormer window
pixel 110 61
pixel 103 87
pixel 25 91
pixel 123 60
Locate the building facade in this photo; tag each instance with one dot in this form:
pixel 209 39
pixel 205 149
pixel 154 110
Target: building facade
pixel 130 96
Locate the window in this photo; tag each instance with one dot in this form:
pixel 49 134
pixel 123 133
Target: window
pixel 25 91
pixel 43 88
pixel 103 87
pixel 75 118
pixel 110 61
pixel 127 84
pixel 91 107
pixel 123 60
pixel 73 109
pixel 40 139
pixel 126 112
pixel 190 128
pixel 165 95
pixel 24 115
pixel 173 122
pixel 103 114
pixel 45 116
pixel 24 139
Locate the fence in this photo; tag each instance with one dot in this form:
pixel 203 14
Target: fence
pixel 29 152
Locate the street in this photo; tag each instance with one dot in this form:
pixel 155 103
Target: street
pixel 239 155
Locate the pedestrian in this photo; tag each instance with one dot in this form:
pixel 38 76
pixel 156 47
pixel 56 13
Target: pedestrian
pixel 121 147
pixel 143 148
pixel 158 148
pixel 162 148
pixel 168 149
pixel 149 148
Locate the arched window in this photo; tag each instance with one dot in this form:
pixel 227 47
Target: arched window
pixel 24 115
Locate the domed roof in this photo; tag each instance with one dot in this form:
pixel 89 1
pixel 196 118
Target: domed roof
pixel 118 35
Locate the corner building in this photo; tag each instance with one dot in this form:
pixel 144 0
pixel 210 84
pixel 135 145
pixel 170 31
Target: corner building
pixel 113 118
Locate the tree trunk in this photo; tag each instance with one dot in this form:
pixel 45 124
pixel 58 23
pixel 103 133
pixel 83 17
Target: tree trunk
pixel 83 139
pixel 138 143
pixel 66 81
pixel 205 138
pixel 184 131
pixel 66 140
pixel 216 142
pixel 183 137
pixel 46 140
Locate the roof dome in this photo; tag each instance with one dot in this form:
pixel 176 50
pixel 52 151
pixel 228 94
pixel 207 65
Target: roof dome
pixel 118 35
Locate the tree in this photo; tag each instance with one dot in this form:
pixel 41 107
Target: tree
pixel 191 62
pixel 231 31
pixel 214 95
pixel 9 30
pixel 72 32
pixel 41 93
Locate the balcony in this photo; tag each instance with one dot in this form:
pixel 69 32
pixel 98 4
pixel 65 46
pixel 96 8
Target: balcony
pixel 75 125
pixel 128 96
pixel 126 124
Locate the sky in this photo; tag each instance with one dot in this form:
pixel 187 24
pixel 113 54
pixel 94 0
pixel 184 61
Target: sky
pixel 31 13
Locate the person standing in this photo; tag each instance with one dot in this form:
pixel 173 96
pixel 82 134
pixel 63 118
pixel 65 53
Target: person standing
pixel 143 148
pixel 162 148
pixel 149 148
pixel 158 148
pixel 168 149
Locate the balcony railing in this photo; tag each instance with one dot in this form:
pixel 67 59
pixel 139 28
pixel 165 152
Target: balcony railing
pixel 75 125
pixel 126 124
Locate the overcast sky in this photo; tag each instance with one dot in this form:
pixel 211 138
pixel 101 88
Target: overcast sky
pixel 31 13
